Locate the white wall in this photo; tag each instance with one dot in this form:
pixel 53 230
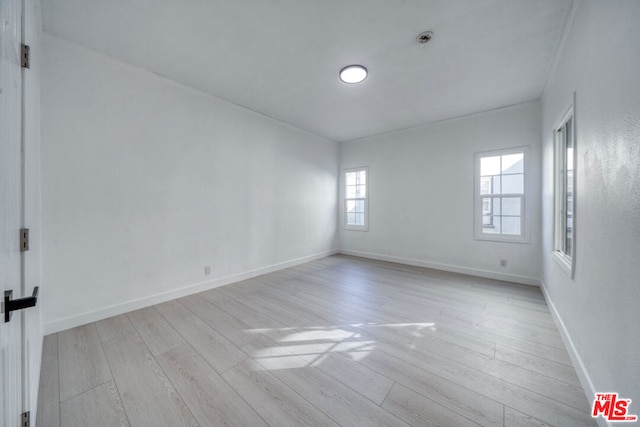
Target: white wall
pixel 146 181
pixel 421 200
pixel 600 61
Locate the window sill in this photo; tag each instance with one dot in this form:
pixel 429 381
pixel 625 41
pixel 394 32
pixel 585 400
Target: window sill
pixel 356 228
pixel 501 238
pixel 564 262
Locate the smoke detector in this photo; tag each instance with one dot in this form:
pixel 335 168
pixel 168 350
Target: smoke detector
pixel 424 37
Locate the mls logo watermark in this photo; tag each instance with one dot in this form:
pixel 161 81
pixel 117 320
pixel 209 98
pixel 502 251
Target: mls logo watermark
pixel 611 408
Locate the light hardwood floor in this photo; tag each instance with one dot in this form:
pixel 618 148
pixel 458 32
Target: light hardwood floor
pixel 338 341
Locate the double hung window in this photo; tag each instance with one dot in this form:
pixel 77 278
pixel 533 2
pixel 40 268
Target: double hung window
pixel 500 195
pixel 356 206
pixel 564 206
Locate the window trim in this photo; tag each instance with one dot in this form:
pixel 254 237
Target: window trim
pixel 524 237
pixel 564 260
pixel 346 226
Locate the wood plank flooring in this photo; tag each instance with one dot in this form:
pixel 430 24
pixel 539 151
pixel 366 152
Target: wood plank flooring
pixel 338 341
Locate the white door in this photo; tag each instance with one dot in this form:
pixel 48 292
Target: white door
pixel 11 391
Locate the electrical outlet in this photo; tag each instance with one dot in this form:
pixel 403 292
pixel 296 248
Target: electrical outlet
pixel 503 263
pixel 207 270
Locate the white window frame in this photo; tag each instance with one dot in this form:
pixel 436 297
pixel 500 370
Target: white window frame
pixel 563 257
pixel 524 224
pixel 353 227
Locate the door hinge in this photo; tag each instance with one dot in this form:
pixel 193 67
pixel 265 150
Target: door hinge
pixel 26 419
pixel 25 56
pixel 24 239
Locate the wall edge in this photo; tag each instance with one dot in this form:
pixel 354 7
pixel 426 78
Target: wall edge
pixel 487 274
pixel 121 308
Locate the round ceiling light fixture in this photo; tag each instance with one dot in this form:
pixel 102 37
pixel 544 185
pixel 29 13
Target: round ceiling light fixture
pixel 353 74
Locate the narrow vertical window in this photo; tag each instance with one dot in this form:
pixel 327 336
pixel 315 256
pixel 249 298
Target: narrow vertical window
pixel 564 246
pixel 500 195
pixel 356 207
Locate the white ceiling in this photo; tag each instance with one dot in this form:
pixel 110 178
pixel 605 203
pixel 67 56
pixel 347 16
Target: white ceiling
pixel 282 57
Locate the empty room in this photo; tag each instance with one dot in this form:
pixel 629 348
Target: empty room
pixel 320 212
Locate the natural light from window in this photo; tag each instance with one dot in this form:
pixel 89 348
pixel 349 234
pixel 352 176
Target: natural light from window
pixel 356 207
pixel 500 194
pixel 564 206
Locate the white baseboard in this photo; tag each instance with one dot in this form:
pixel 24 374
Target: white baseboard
pixel 581 370
pixel 116 309
pixel 525 280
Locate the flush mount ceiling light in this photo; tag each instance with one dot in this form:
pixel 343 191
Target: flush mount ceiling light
pixel 353 74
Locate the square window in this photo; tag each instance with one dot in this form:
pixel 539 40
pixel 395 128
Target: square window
pixel 511 206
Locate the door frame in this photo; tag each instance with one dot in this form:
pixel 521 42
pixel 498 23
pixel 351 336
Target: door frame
pixel 27 20
pixel 12 336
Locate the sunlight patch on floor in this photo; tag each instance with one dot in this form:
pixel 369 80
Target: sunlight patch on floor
pixel 310 346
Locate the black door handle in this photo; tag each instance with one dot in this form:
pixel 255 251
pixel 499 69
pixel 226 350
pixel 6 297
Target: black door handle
pixel 19 303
